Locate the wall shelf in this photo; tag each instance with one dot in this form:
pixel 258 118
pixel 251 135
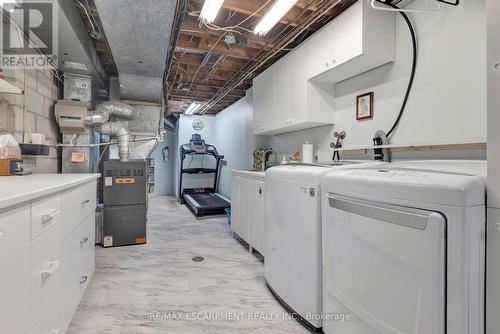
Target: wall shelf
pixel 413 148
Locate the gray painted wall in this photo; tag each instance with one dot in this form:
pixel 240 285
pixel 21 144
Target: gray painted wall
pixel 235 140
pixel 164 170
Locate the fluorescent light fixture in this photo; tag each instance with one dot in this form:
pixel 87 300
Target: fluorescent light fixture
pixel 9 2
pixel 194 107
pixel 210 10
pixel 273 16
pixel 2 2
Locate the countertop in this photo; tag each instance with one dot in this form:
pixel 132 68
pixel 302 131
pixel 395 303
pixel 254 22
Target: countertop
pixel 15 190
pixel 253 173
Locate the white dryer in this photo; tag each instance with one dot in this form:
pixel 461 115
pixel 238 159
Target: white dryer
pixel 404 249
pixel 292 264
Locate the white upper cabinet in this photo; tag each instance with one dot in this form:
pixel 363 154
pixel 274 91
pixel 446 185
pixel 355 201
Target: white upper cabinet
pixel 297 92
pixel 320 52
pixel 282 97
pixel 347 36
pixel 282 101
pixel 263 100
pixel 359 40
pixel 297 87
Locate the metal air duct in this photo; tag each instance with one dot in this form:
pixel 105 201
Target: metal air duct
pixel 115 129
pixel 121 132
pixel 107 109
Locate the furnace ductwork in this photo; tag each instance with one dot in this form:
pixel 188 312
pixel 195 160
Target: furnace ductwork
pixel 115 129
pixel 107 109
pixel 121 132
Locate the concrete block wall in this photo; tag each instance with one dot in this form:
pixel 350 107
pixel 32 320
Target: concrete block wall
pixel 32 112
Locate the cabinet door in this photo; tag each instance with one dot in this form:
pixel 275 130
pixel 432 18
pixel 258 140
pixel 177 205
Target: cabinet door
pixel 239 207
pixel 256 218
pixel 297 85
pixel 263 103
pixel 347 35
pixel 15 269
pixel 281 93
pixel 320 52
pixel 78 264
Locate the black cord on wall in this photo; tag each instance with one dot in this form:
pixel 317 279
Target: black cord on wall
pixel 414 62
pixel 413 67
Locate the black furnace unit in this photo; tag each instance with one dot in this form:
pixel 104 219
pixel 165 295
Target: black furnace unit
pixel 125 203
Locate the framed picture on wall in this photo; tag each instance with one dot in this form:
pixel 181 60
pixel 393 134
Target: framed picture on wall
pixel 364 106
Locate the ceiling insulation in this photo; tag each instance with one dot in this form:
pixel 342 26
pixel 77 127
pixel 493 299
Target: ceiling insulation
pixel 138 33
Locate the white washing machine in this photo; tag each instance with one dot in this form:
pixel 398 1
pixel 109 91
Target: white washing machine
pixel 404 249
pixel 293 237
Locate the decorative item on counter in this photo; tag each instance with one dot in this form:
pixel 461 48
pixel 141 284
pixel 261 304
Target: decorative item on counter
pixel 340 136
pixel 307 153
pixel 284 160
pixel 261 159
pixel 9 147
pixel 295 156
pixel 364 106
pixel 10 167
pixel 10 156
pixel 316 156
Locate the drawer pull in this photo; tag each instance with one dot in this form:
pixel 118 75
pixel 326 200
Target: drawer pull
pixel 48 217
pixel 87 201
pixel 54 331
pixel 84 280
pixel 49 272
pixel 84 240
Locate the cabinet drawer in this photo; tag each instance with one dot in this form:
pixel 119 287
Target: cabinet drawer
pixel 48 321
pixel 45 213
pixel 78 266
pixel 78 204
pixel 46 269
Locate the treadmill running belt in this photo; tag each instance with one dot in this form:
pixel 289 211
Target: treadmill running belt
pixel 206 203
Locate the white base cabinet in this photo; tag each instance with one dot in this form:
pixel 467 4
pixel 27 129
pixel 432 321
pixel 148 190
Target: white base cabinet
pixel 247 208
pixel 15 270
pixel 47 257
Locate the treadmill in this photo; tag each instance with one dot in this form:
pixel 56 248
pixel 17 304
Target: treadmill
pixel 201 201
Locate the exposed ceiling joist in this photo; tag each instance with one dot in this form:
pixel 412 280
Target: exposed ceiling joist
pixel 192 77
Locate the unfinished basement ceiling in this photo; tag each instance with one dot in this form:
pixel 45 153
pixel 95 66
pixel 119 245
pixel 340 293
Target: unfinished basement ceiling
pixel 138 33
pixel 215 67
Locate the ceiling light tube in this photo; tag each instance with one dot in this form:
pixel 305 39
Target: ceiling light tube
pixel 210 10
pixel 273 16
pixel 192 108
